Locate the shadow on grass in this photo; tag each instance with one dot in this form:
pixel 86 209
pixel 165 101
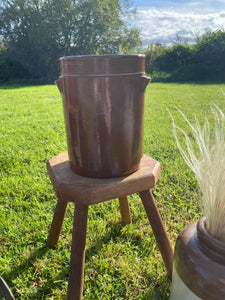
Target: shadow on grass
pixel 24 82
pixel 27 263
pixel 156 294
pixel 63 276
pixel 111 235
pixel 16 271
pixel 49 285
pixel 46 290
pixel 40 292
pixel 13 86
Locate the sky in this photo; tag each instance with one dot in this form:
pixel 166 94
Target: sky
pixel 177 20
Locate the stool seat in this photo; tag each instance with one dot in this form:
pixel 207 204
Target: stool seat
pixel 72 187
pixel 84 191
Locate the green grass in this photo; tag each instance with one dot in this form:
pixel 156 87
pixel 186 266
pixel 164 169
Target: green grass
pixel 122 262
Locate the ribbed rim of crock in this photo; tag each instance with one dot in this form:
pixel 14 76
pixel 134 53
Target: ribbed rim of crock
pixel 101 65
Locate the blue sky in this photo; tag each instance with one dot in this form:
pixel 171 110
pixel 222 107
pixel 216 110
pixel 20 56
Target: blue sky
pixel 185 21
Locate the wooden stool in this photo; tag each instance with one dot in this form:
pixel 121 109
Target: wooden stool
pixel 85 191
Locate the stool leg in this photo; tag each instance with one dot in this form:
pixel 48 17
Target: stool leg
pixel 77 258
pixel 125 210
pixel 158 230
pixel 57 222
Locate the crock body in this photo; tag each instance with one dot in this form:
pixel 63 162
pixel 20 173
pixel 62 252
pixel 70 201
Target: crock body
pixel 104 114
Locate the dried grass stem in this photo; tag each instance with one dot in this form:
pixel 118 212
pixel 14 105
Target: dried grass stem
pixel 208 164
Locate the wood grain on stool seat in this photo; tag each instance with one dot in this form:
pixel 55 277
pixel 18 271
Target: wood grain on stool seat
pixel 72 187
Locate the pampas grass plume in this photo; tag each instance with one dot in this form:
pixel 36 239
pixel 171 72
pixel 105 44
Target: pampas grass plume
pixel 208 164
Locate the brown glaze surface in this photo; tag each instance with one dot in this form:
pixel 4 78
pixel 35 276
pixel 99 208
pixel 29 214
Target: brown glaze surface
pixel 211 247
pixel 199 261
pixel 103 114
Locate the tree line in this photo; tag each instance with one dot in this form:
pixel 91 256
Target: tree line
pixel 34 34
pixel 201 61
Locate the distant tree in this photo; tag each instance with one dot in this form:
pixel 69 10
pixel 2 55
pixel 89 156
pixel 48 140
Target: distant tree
pixel 10 69
pixel 38 32
pixel 178 55
pixel 210 55
pixel 153 54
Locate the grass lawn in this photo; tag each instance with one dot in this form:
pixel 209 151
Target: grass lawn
pixel 122 262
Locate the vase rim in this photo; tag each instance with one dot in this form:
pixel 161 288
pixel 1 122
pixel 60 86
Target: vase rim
pixel 209 245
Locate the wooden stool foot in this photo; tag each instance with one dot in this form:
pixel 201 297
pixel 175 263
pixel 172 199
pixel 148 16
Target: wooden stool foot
pixel 77 258
pixel 57 222
pixel 158 229
pixel 125 210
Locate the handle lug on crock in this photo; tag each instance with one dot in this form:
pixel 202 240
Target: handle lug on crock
pixel 59 84
pixel 144 82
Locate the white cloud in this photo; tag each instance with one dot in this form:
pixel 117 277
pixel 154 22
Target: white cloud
pixel 167 25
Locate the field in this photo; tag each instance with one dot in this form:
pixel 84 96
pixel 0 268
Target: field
pixel 122 262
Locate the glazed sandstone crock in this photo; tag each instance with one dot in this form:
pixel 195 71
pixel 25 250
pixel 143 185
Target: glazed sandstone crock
pixel 103 100
pixel 199 265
